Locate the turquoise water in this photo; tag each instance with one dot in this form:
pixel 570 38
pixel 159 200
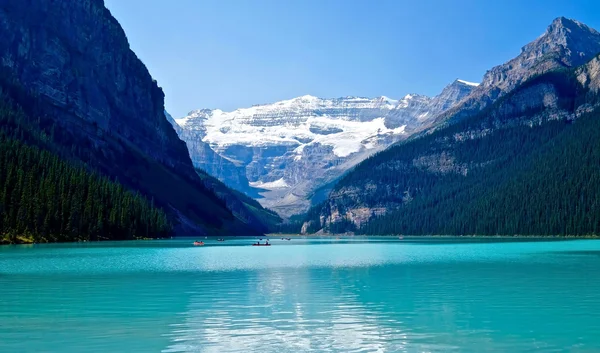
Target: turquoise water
pixel 321 295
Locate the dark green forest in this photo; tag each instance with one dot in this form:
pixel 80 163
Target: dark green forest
pixel 47 198
pixel 243 207
pixel 542 179
pixel 550 186
pixel 44 199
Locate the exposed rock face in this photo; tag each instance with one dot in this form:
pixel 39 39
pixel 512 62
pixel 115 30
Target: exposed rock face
pixel 589 75
pixel 566 43
pixel 170 119
pixel 76 55
pixel 75 58
pixel 451 96
pixel 411 109
pixel 288 149
pixel 417 111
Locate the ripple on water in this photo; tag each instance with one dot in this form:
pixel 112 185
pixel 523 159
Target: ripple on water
pixel 323 297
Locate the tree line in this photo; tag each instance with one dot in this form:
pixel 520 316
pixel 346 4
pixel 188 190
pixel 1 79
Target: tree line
pixel 45 199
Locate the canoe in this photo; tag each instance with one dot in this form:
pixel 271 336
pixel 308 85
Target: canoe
pixel 261 244
pixel 196 243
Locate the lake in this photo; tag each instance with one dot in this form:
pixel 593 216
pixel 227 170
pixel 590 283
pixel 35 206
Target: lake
pixel 320 295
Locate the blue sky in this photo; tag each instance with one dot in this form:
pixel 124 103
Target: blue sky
pixel 229 54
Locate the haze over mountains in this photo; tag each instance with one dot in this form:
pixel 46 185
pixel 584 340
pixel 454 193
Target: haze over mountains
pixel 284 151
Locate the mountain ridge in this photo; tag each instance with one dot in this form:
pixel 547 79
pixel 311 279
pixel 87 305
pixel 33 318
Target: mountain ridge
pixel 283 151
pixel 565 43
pixel 444 181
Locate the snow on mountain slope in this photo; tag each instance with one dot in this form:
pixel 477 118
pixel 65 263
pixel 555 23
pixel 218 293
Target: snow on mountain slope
pixel 468 83
pixel 241 128
pixel 289 148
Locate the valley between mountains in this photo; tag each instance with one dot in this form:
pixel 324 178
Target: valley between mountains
pixel 289 153
pixel 88 152
pixel 456 163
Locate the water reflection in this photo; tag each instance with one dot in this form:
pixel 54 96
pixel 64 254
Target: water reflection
pixel 301 296
pixel 392 308
pixel 283 310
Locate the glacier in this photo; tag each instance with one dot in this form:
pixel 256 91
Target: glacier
pixel 287 153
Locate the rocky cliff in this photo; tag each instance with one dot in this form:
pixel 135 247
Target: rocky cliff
pixel 76 56
pixel 74 59
pixel 565 43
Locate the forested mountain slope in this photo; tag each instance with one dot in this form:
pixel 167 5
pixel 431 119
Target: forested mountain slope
pixel 242 206
pixel 84 96
pixel 46 198
pixel 527 164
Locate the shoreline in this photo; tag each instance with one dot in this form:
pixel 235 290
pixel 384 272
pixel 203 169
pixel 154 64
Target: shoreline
pixel 20 240
pixel 442 236
pixel 28 241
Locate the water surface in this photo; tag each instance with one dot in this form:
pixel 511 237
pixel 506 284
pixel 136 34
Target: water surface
pixel 321 295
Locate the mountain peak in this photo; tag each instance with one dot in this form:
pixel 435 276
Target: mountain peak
pixel 567 32
pixel 413 96
pixel 568 24
pixel 572 40
pixel 307 97
pixel 565 42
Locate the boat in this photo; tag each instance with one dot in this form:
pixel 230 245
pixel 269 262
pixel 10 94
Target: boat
pixel 198 243
pixel 259 244
pixel 220 239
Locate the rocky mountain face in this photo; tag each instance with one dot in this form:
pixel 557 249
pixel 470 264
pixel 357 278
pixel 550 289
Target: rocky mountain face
pixel 283 152
pixel 566 43
pixel 493 167
pixel 589 75
pixel 74 60
pixel 76 55
pixel 417 112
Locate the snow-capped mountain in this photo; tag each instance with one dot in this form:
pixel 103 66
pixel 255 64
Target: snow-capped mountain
pixel 341 123
pixel 290 148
